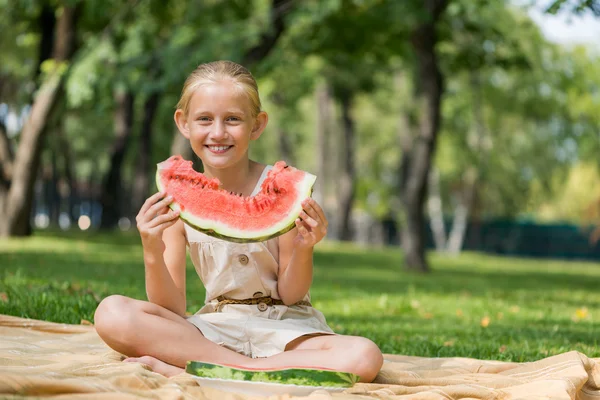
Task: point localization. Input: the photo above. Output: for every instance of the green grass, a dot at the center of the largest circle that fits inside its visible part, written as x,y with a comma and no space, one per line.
533,308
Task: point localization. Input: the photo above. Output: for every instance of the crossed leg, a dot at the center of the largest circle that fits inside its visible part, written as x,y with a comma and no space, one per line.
153,335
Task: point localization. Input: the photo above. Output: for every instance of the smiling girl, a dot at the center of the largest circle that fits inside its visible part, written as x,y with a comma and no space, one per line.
220,114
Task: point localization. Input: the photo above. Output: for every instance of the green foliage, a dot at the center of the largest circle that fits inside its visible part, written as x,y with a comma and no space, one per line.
535,113
470,306
577,7
570,197
539,101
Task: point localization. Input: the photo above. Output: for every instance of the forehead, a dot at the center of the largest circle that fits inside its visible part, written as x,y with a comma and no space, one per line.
218,97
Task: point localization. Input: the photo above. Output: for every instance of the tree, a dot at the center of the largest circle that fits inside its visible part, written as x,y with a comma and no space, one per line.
16,202
418,150
164,45
576,7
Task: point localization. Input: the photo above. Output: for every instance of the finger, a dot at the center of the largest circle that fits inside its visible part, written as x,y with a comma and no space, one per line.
302,228
318,209
161,227
309,220
162,211
308,234
314,210
165,218
150,201
309,210
161,205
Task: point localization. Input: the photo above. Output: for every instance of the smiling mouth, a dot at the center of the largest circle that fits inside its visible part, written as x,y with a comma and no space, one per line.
218,149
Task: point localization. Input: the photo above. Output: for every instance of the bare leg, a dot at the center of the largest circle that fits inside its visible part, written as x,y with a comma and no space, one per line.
156,365
342,353
138,328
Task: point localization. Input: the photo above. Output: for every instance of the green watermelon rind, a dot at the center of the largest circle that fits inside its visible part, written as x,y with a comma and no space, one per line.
289,376
279,229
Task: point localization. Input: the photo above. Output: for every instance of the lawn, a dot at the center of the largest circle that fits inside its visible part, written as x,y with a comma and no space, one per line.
474,305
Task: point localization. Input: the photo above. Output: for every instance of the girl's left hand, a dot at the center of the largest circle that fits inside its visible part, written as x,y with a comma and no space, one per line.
312,225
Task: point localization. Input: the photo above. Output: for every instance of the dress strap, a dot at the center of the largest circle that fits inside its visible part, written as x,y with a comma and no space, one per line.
263,175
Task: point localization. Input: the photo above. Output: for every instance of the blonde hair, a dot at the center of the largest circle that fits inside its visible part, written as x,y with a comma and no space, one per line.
216,71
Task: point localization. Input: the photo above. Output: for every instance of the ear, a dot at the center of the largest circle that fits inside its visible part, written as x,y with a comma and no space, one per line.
260,123
181,122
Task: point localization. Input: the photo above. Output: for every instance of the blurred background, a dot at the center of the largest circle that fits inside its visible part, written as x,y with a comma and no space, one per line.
436,124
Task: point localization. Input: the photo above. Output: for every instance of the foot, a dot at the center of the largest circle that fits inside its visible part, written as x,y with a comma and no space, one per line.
157,365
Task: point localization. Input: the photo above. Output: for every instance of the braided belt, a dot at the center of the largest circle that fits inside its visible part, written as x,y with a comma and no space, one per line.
262,302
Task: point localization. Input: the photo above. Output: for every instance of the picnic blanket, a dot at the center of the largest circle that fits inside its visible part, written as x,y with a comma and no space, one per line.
62,361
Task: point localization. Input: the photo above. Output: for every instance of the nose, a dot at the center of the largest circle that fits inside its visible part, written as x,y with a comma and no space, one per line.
218,132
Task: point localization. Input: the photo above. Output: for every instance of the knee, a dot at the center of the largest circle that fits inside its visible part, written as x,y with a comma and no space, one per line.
367,359
114,318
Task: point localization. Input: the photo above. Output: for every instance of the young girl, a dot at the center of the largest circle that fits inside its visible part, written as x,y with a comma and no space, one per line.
220,113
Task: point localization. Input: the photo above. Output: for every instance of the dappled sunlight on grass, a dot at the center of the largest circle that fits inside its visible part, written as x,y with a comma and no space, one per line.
473,306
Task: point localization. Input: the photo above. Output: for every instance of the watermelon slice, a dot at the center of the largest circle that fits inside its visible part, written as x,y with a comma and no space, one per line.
219,213
318,377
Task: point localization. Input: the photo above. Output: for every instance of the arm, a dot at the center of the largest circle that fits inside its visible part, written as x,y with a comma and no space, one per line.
163,240
165,271
296,252
295,269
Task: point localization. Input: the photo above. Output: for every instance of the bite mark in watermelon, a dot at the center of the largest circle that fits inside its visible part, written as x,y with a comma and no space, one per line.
243,219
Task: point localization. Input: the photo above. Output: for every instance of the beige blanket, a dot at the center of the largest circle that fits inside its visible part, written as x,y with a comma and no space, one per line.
40,359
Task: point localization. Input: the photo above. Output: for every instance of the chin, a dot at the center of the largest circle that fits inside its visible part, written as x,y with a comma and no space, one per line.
218,164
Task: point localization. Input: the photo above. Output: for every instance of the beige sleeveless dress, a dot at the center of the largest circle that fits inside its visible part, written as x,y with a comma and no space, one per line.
243,271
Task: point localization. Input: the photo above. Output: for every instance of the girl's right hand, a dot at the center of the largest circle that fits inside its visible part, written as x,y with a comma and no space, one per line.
154,217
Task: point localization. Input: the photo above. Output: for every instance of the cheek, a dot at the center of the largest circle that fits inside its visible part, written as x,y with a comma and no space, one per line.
197,131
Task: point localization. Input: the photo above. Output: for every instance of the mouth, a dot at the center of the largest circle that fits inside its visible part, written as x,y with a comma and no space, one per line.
218,149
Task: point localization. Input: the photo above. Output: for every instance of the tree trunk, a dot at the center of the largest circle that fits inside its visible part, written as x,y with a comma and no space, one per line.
141,182
269,39
461,213
17,206
471,176
54,198
47,26
6,160
428,99
71,191
181,145
347,179
6,157
112,186
322,148
436,213
284,143
285,146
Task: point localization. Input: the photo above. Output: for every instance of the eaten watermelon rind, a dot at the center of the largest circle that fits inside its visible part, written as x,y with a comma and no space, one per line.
291,376
304,189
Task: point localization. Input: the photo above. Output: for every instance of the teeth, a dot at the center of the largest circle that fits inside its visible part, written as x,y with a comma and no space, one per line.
218,148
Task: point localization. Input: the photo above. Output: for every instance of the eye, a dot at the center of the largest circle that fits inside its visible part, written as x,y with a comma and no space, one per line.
203,119
234,119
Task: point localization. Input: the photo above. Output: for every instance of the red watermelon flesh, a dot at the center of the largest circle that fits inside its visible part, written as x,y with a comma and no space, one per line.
217,212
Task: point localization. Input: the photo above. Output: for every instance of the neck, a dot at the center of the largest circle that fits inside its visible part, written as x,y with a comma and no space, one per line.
236,178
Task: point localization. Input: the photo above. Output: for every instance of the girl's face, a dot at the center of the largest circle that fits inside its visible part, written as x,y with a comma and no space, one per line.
220,124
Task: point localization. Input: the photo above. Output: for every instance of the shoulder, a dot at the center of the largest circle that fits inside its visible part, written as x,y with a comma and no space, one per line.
257,168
